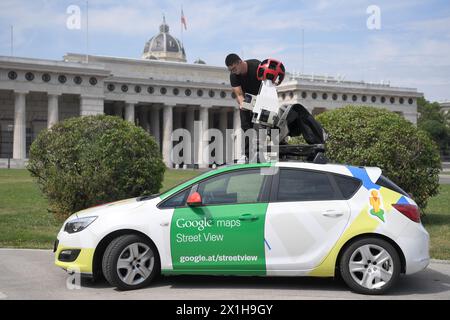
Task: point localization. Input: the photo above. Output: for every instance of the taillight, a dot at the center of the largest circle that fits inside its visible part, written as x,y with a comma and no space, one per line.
409,210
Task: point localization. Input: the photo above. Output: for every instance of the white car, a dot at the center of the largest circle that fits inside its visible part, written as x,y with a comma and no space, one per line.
267,219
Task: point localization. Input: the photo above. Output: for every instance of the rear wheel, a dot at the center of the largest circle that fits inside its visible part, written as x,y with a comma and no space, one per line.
370,266
130,262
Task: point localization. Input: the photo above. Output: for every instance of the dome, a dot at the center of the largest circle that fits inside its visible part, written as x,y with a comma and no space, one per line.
164,46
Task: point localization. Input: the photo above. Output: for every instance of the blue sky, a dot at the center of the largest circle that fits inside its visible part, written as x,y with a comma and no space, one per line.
411,49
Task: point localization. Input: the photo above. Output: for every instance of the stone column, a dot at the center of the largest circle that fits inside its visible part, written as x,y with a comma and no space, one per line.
190,119
20,126
129,111
53,110
167,133
203,141
154,126
237,133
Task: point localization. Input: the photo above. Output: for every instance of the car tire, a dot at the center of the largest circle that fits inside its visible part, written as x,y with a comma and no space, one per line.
130,262
370,266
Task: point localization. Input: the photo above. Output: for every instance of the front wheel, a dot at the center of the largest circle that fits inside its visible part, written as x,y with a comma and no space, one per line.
130,262
370,266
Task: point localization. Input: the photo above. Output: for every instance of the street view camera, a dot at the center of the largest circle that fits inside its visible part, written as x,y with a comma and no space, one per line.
291,120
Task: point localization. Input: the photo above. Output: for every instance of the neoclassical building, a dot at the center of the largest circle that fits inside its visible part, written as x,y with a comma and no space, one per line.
160,92
445,107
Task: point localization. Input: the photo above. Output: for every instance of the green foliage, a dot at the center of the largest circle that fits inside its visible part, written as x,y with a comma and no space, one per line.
86,161
366,136
433,121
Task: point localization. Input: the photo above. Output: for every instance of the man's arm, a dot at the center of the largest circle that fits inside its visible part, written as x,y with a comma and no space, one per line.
239,95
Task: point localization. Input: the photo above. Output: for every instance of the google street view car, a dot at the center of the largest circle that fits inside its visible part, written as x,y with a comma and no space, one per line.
263,219
283,218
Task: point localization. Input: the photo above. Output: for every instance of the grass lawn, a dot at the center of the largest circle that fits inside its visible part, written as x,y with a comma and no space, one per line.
25,222
437,223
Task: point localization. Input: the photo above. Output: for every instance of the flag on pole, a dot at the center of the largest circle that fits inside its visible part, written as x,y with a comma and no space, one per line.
183,19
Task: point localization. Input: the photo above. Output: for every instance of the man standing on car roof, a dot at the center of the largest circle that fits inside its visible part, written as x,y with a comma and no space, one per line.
243,80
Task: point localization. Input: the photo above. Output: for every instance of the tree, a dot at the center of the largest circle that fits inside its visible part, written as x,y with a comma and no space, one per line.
367,136
433,121
86,161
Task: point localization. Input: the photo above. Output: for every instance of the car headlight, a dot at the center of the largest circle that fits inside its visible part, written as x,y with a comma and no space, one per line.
79,224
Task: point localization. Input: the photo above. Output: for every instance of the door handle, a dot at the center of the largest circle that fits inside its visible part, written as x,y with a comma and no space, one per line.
164,224
248,217
332,214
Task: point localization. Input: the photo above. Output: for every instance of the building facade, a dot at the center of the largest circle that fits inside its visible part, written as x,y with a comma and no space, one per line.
160,92
445,106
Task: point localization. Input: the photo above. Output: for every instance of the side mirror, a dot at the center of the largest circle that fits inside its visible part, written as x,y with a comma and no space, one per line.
194,199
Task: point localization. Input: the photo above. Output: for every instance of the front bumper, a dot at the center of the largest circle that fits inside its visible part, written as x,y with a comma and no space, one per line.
75,252
82,263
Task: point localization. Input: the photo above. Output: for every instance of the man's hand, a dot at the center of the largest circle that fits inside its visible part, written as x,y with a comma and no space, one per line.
239,96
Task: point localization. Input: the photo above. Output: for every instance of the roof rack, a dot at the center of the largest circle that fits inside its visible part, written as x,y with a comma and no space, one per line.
314,153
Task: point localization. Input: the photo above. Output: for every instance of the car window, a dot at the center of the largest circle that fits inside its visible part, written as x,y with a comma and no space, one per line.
243,186
347,185
385,182
177,200
304,185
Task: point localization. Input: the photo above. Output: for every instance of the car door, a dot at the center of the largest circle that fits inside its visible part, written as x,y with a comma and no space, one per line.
306,216
224,235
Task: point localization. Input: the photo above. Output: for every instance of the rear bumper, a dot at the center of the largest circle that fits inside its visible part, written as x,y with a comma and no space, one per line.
414,242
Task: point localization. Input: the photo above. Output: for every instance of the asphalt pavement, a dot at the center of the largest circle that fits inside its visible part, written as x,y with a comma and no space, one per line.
444,179
30,274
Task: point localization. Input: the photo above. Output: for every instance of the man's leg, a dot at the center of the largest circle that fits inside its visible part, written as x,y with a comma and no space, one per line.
246,123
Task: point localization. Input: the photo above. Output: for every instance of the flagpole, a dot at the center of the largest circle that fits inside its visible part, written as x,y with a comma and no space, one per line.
87,31
181,27
303,51
12,41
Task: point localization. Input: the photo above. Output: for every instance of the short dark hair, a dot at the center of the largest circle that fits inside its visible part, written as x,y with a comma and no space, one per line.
231,59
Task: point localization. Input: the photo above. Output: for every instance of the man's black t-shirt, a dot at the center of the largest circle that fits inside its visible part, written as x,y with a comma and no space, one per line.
249,83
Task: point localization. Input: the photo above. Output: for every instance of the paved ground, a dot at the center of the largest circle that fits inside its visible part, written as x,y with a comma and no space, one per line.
30,274
444,179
